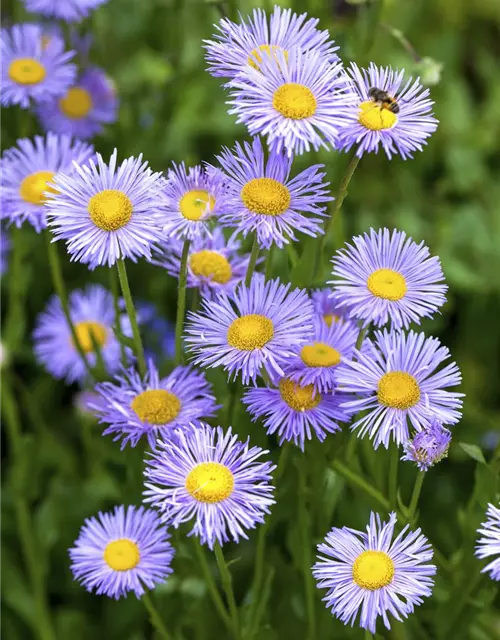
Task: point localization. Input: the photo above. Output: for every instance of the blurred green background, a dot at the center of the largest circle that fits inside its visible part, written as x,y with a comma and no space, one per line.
449,195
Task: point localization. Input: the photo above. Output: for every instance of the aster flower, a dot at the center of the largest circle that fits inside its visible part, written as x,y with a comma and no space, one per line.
373,574
300,101
236,46
32,70
397,382
259,326
327,306
107,212
210,476
194,197
27,171
92,313
488,543
373,124
319,358
428,446
153,406
296,412
85,107
385,276
67,10
263,199
214,263
124,550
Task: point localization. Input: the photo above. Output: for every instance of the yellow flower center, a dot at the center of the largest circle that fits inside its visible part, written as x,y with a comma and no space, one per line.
110,209
122,554
76,103
26,71
250,332
195,204
88,329
255,57
294,101
156,406
319,354
330,318
266,196
211,264
33,186
387,284
373,570
374,117
299,398
210,482
398,390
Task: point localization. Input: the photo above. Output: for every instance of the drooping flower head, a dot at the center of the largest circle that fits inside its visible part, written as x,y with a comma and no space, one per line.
372,574
400,125
84,109
488,543
214,263
125,550
67,10
429,446
327,307
262,197
32,70
154,407
258,327
93,315
298,102
211,477
384,276
317,361
195,196
398,383
296,412
27,171
237,46
107,212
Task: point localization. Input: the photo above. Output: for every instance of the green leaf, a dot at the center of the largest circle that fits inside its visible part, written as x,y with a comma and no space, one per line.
473,451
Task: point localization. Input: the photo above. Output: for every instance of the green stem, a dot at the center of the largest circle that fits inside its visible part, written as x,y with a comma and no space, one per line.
154,616
57,278
393,476
25,524
342,192
181,303
227,585
212,587
360,483
258,573
129,305
415,495
309,585
269,262
115,290
13,328
253,260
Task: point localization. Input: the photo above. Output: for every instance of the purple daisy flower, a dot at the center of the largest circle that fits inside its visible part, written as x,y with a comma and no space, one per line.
84,109
400,122
210,476
296,412
67,10
373,574
319,358
194,198
107,212
238,45
124,550
92,313
27,171
32,70
385,276
259,326
300,101
488,543
155,407
428,446
327,306
397,381
214,263
263,199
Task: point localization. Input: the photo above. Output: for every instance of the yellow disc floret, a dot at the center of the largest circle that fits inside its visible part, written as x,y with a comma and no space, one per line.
76,103
266,196
294,101
122,555
196,204
250,332
298,397
110,209
33,187
398,389
374,117
156,406
27,71
330,318
319,354
256,55
211,264
87,330
373,570
210,482
387,284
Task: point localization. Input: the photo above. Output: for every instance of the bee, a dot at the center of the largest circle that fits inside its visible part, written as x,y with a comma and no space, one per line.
383,99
